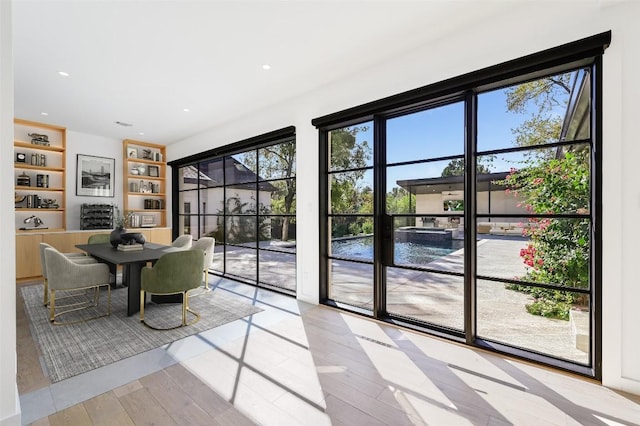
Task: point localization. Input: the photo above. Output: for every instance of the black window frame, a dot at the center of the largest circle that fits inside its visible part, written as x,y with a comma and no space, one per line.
585,52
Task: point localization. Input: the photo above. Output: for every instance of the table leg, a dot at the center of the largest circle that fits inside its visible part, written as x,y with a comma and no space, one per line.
133,282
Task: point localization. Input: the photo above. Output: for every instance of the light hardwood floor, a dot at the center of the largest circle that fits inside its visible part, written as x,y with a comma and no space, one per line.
298,364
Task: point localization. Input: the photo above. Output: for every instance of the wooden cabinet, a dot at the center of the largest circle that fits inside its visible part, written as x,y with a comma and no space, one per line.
39,175
144,192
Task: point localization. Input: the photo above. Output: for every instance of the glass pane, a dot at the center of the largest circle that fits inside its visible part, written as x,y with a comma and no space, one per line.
211,226
426,188
241,199
556,184
278,269
537,112
277,161
436,132
209,173
241,262
549,251
352,192
351,147
544,321
211,201
351,283
188,224
241,230
281,231
428,297
437,248
240,168
344,230
278,197
187,202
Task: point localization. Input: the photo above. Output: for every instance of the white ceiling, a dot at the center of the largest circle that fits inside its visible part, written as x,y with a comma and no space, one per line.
143,62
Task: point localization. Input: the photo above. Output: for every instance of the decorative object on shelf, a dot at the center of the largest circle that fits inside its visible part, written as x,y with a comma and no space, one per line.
21,157
19,198
42,181
134,171
141,169
154,171
157,156
147,221
132,153
39,139
95,176
147,154
35,220
49,203
96,216
23,180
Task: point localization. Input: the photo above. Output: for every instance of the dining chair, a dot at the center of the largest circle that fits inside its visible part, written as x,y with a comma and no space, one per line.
175,273
183,242
206,244
75,257
65,274
113,269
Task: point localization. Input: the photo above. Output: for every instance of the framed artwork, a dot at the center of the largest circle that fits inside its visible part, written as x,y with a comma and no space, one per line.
95,176
132,152
154,171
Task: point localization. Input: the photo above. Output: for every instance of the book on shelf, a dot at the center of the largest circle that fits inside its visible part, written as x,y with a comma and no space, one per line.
130,247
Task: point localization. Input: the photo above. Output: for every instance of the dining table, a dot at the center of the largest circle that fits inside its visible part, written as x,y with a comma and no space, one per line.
132,261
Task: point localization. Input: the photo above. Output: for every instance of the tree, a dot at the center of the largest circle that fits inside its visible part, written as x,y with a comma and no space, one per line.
540,98
558,249
456,168
274,162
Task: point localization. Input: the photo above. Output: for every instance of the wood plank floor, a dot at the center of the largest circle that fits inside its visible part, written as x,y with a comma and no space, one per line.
296,364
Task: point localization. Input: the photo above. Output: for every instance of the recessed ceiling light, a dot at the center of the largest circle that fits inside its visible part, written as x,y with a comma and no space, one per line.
44,113
141,133
186,109
266,67
64,74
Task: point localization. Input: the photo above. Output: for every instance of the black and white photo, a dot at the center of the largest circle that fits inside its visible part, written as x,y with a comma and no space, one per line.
95,176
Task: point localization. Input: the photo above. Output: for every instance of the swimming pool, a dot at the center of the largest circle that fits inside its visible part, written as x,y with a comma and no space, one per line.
404,252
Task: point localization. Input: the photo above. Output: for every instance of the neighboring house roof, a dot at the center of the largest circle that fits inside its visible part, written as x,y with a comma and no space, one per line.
451,183
236,174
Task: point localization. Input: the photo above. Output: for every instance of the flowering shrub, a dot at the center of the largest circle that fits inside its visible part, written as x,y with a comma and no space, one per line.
558,251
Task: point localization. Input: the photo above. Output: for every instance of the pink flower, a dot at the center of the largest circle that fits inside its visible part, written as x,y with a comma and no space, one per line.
538,181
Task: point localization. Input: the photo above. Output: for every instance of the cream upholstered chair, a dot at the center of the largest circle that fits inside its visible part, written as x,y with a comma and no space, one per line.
64,274
206,244
175,273
102,239
183,242
75,257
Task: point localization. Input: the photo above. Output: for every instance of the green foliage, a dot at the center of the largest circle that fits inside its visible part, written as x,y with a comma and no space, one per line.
541,98
558,251
241,223
456,167
399,200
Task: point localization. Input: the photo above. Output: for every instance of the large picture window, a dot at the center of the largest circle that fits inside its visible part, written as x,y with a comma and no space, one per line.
469,208
245,197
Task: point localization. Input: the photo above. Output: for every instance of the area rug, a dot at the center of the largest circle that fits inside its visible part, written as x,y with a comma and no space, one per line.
69,350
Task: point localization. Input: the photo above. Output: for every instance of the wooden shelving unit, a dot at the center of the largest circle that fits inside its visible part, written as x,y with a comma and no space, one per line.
144,192
45,167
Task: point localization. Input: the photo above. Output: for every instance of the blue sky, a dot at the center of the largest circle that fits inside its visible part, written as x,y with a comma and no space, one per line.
439,132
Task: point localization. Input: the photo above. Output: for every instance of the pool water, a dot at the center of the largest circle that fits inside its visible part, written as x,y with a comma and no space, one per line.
404,252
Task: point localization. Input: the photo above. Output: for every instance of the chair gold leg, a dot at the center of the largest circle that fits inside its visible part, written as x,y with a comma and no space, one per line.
46,291
142,306
52,306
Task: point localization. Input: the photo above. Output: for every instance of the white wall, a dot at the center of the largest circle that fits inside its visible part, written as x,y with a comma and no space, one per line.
9,401
99,146
518,31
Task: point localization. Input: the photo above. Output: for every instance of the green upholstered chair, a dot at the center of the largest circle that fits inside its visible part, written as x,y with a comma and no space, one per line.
65,274
75,257
98,239
206,244
175,273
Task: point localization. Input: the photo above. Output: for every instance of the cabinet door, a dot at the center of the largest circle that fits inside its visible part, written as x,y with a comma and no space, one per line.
66,242
28,256
161,236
